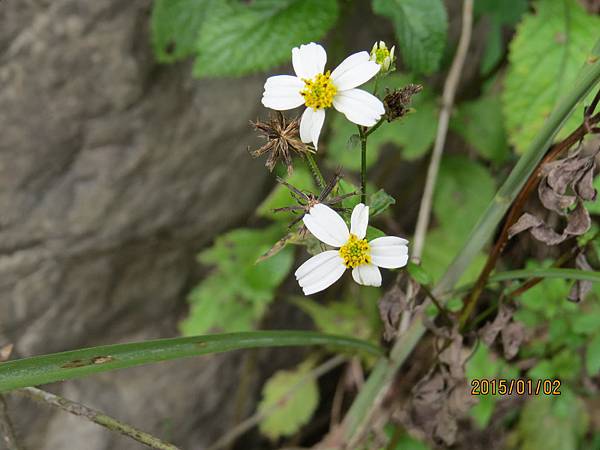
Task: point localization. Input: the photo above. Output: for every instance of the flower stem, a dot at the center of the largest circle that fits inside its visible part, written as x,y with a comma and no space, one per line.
97,417
374,127
363,165
314,169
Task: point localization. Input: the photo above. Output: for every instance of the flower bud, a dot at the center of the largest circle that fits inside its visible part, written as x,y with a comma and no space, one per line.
382,56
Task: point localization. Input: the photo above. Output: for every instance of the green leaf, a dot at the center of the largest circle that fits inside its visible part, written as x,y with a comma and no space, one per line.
545,58
481,124
463,189
240,38
455,304
421,27
500,13
592,356
549,272
236,294
293,396
175,27
340,318
419,274
552,423
481,365
81,363
373,233
380,201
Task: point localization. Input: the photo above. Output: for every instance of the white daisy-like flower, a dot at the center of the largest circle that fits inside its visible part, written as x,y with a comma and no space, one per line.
319,90
353,250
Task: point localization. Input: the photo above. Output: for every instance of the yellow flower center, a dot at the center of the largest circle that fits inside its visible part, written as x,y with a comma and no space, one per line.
318,93
381,54
355,252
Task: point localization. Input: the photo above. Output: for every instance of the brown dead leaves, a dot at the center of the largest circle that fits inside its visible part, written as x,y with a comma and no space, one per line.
565,185
442,398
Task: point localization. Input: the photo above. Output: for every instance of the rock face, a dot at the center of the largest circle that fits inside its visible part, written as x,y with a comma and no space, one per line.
114,172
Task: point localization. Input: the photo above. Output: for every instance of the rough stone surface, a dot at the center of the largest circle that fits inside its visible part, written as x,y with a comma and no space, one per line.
114,172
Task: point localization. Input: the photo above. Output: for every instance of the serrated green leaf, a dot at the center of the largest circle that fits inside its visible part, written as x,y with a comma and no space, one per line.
380,201
175,27
545,57
481,124
421,27
293,396
237,292
240,38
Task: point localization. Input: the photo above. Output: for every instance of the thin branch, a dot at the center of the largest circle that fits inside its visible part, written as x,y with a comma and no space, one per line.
258,416
448,95
97,417
450,87
7,431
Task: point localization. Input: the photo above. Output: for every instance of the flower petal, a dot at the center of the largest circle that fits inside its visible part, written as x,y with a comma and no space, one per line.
308,60
311,125
355,70
367,275
326,225
359,106
282,92
359,221
320,271
389,252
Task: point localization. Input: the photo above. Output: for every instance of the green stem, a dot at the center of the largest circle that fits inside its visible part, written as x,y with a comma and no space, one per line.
363,165
97,417
80,363
374,127
314,169
384,371
552,272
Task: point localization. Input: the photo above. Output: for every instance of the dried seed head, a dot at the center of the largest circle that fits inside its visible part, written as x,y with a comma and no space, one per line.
306,200
282,137
397,103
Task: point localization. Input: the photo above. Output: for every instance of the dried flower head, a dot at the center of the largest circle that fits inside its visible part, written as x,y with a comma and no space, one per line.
282,137
397,103
306,200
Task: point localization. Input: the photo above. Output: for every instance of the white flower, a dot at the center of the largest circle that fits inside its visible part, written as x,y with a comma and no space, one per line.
382,56
319,90
365,258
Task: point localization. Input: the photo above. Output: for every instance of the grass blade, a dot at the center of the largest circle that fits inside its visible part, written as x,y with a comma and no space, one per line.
88,361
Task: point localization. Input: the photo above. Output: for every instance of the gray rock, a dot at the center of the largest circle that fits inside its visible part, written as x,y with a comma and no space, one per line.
114,172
